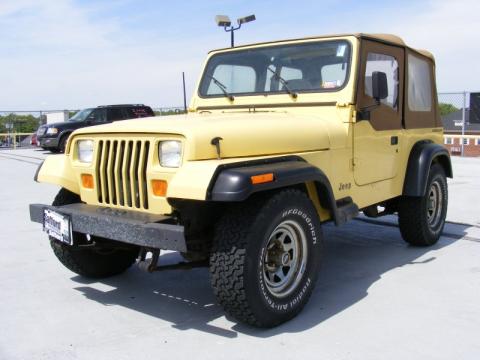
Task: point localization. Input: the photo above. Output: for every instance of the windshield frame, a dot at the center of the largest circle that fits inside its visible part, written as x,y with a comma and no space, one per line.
345,41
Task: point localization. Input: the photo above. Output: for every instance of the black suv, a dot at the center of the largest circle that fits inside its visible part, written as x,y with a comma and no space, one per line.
54,136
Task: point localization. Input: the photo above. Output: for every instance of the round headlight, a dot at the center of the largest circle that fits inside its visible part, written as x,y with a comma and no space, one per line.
170,153
85,151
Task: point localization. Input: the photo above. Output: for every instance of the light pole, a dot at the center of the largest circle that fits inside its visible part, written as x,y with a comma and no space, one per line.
184,94
224,21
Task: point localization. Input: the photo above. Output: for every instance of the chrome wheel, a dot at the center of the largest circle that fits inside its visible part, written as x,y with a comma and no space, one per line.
434,204
285,258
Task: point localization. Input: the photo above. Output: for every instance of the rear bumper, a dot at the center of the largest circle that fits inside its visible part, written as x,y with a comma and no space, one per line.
130,227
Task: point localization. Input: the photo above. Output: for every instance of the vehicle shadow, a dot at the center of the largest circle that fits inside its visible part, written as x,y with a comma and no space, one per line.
356,255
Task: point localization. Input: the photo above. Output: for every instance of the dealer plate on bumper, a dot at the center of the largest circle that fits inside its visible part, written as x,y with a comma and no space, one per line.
58,226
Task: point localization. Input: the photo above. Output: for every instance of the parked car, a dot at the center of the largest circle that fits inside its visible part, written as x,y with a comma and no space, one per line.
54,136
33,140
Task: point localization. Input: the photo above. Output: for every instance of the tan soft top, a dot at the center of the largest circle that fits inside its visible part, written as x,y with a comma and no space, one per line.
386,38
396,40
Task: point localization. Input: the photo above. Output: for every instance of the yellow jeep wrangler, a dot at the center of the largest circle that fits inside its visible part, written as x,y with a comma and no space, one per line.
280,137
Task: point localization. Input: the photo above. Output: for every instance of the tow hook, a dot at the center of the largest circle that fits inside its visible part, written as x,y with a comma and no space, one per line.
150,264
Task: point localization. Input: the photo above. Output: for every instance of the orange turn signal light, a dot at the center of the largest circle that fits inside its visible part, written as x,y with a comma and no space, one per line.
262,178
159,187
87,181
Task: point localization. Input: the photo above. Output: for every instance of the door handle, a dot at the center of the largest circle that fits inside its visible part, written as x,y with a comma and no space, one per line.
394,140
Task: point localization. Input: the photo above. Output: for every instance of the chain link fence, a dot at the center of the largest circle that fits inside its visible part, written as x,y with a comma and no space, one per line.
460,123
17,127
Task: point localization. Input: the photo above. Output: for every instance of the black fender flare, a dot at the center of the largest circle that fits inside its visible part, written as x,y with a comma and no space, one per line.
422,155
232,182
66,133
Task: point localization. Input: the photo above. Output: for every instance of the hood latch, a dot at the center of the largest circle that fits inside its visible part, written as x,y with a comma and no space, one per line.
216,142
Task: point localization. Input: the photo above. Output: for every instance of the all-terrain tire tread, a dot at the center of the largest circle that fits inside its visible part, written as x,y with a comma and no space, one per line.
228,258
411,218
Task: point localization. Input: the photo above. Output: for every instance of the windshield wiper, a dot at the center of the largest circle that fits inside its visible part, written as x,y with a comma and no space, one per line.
293,94
221,87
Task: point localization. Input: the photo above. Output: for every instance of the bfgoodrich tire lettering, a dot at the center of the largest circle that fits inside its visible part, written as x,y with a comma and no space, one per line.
242,244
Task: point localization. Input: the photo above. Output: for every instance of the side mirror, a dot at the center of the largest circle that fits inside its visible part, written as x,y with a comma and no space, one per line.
379,85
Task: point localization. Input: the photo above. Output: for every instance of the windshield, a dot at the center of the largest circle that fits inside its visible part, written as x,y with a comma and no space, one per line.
81,115
307,67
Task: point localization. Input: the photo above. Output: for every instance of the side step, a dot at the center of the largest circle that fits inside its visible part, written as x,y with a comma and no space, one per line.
346,210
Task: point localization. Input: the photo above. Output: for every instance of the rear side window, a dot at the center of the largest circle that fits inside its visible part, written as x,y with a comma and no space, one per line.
98,116
389,65
419,84
115,114
139,112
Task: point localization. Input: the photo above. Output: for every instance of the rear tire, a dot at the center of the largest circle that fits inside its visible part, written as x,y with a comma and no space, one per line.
95,262
265,258
421,219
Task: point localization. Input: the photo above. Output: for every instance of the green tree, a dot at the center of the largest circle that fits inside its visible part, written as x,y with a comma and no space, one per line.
446,109
21,123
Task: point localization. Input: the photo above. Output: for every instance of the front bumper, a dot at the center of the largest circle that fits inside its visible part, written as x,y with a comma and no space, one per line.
131,227
48,142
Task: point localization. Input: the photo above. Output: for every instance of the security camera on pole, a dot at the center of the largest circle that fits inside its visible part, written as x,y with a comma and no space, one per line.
224,21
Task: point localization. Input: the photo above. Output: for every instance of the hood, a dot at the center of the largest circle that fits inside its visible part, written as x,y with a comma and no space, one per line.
65,125
243,134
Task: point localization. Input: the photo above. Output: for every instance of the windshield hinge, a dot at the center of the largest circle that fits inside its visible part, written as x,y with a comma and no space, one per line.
343,104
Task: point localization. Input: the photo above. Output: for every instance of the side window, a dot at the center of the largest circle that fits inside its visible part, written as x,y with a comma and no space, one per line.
98,116
419,84
235,78
389,65
115,114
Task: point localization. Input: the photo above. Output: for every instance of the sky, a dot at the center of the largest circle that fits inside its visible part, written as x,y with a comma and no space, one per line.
71,54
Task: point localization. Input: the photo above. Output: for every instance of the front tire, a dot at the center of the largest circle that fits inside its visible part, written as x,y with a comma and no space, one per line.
421,219
62,144
265,258
93,262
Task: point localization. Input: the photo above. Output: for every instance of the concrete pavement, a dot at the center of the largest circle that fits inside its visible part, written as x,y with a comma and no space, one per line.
376,297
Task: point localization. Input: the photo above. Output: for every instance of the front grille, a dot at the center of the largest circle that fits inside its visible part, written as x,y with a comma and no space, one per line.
41,130
121,173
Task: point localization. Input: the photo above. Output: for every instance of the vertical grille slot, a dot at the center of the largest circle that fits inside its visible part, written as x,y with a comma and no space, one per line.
144,174
111,174
118,172
98,172
128,181
104,165
121,172
133,175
